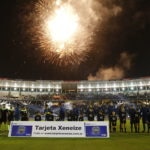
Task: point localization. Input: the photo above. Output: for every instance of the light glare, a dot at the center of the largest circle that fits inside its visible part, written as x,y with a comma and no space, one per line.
62,25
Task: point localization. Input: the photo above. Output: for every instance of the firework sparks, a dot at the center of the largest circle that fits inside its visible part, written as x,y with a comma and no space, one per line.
64,30
62,25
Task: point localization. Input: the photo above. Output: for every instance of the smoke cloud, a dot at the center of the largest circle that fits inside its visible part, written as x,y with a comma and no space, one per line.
116,72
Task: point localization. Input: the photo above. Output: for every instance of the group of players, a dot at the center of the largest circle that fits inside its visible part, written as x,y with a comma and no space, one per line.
135,115
121,114
11,114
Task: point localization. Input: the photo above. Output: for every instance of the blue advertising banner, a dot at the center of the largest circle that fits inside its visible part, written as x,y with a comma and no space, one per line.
20,130
96,131
99,129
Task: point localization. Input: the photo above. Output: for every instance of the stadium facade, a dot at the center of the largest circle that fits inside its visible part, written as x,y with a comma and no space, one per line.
18,88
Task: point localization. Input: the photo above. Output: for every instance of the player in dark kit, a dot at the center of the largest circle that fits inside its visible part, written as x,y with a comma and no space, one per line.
37,116
110,110
46,110
100,116
81,116
69,115
137,121
10,115
75,113
122,117
113,121
144,116
17,113
24,114
61,113
148,120
90,114
0,116
132,118
4,116
49,116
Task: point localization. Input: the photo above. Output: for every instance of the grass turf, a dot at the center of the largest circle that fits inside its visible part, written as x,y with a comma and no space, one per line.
117,141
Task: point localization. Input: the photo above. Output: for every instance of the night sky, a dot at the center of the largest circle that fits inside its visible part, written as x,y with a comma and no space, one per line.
121,44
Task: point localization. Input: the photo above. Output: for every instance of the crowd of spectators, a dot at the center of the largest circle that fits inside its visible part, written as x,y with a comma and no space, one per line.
80,96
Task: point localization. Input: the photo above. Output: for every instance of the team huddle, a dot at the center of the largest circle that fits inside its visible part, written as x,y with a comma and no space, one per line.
90,113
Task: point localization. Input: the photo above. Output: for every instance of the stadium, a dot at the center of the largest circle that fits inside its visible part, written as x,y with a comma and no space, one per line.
74,74
34,95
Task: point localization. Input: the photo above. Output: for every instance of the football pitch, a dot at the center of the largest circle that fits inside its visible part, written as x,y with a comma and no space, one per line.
117,141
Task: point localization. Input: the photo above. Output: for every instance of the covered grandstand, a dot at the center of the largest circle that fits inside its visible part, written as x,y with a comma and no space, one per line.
75,90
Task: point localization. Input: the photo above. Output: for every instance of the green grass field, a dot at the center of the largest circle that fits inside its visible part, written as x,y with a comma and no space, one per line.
117,141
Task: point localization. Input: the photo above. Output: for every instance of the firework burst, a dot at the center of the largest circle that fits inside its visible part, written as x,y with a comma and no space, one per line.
63,29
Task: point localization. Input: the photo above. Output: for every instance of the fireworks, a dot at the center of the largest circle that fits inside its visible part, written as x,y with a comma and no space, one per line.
62,25
64,29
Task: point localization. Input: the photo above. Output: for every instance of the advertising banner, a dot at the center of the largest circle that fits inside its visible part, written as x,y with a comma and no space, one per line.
58,129
97,129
